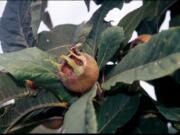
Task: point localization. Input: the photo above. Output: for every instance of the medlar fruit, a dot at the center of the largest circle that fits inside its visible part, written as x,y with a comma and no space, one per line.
30,84
140,39
54,123
78,70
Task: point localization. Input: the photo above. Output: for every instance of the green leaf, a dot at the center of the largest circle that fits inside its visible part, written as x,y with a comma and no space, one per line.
87,2
98,23
34,64
47,20
15,27
170,113
157,58
176,126
149,9
26,128
9,89
82,32
37,14
81,117
58,40
150,25
116,111
151,124
30,121
1,131
131,21
110,41
175,14
90,46
36,118
30,64
175,21
62,37
87,47
152,20
60,91
26,105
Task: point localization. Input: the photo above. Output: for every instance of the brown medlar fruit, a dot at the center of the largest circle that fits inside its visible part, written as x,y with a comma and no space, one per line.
54,123
30,84
78,70
140,39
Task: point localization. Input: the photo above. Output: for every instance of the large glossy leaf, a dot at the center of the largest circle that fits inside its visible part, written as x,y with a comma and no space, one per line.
115,111
157,58
9,90
131,21
47,20
34,64
110,41
58,40
62,37
150,124
98,23
38,14
81,33
26,105
81,117
31,63
26,128
33,119
170,113
90,46
15,26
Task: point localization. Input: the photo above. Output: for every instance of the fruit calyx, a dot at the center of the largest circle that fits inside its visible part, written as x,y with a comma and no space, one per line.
72,64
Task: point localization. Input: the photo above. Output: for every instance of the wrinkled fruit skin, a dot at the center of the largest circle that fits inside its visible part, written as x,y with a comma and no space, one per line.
54,123
86,75
141,39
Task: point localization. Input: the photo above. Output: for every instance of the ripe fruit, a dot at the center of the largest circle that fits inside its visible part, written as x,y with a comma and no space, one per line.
78,71
53,123
141,39
30,84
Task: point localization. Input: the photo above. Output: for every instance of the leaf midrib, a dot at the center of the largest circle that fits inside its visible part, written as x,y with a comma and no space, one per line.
114,115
